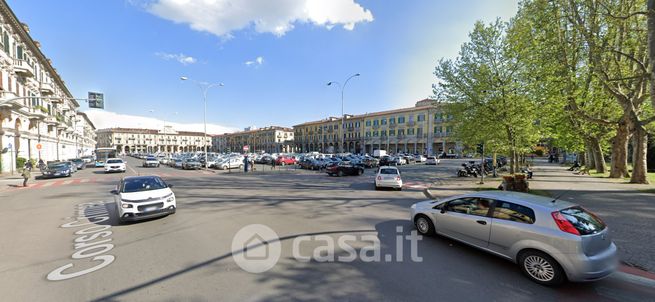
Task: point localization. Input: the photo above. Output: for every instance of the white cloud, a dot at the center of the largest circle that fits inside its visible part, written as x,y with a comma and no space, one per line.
222,17
106,119
257,61
181,58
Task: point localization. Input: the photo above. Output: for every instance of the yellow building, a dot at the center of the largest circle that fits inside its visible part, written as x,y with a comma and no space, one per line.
420,129
273,139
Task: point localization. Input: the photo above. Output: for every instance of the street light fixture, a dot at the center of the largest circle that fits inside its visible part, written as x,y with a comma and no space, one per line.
204,86
343,117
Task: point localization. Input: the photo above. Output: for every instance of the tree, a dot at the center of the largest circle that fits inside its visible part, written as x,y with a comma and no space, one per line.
486,95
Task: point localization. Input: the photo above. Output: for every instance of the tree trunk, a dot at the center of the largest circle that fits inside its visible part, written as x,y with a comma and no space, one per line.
601,167
620,151
582,158
591,163
639,149
650,6
494,159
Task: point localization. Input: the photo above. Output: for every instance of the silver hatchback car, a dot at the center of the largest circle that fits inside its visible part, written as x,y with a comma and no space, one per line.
551,240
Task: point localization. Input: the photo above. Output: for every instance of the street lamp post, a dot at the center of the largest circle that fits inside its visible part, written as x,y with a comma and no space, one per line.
204,86
343,117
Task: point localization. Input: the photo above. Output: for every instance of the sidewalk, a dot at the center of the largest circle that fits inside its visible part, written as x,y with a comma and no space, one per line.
625,208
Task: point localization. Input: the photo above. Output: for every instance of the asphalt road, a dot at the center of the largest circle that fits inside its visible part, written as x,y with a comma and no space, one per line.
188,256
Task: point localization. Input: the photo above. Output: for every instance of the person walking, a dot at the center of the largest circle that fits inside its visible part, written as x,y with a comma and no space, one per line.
26,173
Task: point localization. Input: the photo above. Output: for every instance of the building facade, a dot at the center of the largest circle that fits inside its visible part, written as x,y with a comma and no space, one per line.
129,140
422,129
38,115
271,139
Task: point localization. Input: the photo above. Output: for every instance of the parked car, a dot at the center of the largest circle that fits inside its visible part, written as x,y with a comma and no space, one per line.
388,161
71,165
191,164
143,197
419,158
115,165
344,168
551,240
432,160
79,163
150,162
388,177
176,163
56,169
230,163
285,160
88,159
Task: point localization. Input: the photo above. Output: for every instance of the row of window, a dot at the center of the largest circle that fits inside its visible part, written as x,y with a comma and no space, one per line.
481,206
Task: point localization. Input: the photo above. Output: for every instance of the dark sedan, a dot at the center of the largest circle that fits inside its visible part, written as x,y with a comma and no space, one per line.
345,168
191,164
58,169
79,163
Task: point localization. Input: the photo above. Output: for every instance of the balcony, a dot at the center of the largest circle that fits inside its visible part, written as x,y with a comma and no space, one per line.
21,67
47,88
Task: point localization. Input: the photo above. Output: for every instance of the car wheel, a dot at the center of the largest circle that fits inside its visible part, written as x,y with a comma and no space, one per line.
360,172
400,189
377,188
340,173
541,268
240,167
424,225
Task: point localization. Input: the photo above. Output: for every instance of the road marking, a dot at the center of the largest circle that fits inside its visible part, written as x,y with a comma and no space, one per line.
67,182
85,180
47,184
131,169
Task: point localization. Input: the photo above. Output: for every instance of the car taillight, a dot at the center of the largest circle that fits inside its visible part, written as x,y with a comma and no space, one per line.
564,224
379,177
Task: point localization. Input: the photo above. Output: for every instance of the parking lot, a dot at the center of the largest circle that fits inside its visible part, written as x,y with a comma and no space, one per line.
188,255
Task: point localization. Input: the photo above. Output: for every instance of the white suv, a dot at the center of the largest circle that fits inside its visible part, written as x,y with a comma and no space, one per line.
115,165
143,197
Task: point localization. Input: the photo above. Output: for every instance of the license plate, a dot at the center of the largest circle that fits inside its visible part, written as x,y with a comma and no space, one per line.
148,209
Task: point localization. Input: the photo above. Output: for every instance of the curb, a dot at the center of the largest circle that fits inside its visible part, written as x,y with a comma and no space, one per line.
637,272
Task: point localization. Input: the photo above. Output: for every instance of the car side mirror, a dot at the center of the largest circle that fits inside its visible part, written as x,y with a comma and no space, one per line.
443,210
114,192
170,186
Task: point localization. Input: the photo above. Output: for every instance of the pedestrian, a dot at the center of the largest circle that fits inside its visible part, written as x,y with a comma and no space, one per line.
26,173
273,163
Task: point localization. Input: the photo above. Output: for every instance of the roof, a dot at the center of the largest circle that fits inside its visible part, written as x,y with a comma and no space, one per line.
150,131
419,106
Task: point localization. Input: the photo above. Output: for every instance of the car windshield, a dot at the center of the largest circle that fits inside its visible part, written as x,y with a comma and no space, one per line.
115,161
56,166
388,171
132,185
151,158
77,160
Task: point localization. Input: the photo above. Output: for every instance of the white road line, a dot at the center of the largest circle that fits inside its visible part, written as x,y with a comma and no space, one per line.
131,169
68,182
85,180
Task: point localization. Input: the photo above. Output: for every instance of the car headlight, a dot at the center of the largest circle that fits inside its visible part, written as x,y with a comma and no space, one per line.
67,171
126,206
170,199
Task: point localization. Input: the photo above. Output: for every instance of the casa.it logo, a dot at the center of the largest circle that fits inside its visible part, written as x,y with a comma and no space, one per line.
256,248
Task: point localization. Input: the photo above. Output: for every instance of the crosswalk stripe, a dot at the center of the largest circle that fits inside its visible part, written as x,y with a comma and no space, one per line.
85,180
67,182
47,184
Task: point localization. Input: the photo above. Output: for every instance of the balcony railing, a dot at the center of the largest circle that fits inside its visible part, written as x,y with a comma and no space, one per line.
23,68
47,89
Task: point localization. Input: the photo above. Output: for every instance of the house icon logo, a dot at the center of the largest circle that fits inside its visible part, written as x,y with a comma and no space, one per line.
256,248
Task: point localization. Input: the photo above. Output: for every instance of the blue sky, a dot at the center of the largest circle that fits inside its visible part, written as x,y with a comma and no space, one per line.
135,51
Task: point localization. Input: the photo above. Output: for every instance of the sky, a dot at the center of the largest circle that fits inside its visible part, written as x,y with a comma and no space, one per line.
273,57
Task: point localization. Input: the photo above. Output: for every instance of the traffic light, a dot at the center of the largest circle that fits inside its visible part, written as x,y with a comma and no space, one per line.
480,148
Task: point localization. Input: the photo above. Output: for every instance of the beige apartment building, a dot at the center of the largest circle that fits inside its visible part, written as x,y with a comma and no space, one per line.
422,129
273,139
168,140
38,115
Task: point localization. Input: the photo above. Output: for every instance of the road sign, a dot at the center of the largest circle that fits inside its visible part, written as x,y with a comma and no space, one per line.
96,100
246,148
10,146
38,146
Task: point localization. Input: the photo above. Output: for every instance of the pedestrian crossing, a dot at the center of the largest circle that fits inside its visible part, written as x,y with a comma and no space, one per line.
52,183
